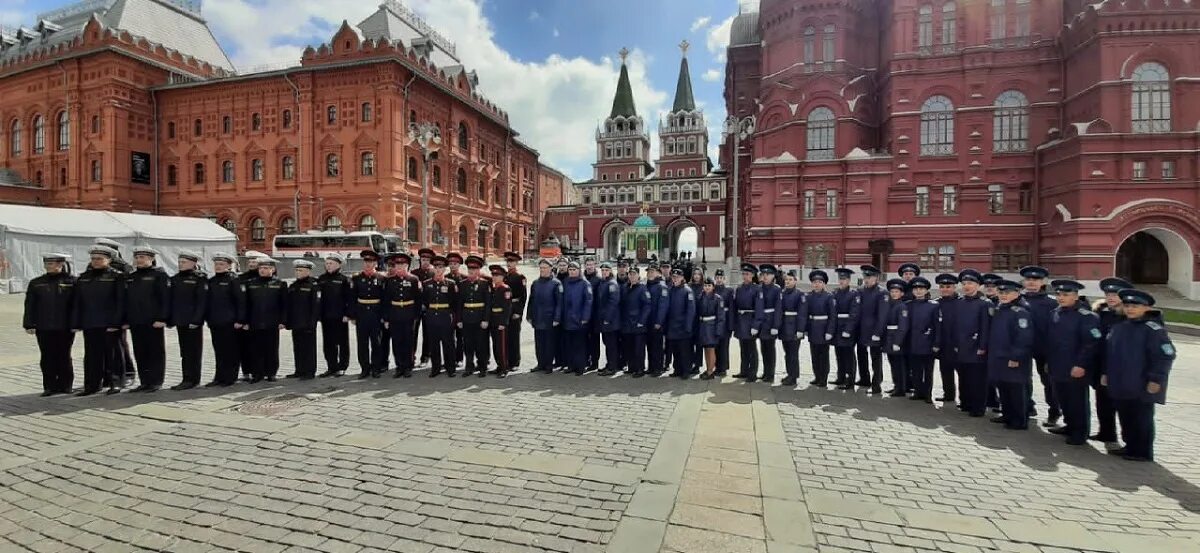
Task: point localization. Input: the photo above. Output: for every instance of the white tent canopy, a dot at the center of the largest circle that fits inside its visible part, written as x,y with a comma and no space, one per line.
28,232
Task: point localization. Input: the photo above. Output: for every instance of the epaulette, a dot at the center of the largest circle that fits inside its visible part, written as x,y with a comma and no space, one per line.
1086,311
1018,308
1153,325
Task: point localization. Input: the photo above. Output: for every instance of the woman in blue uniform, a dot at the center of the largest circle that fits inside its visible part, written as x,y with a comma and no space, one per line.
1138,357
710,314
896,335
791,330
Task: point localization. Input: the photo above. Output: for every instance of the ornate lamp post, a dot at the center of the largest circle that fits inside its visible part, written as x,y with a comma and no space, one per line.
428,138
737,129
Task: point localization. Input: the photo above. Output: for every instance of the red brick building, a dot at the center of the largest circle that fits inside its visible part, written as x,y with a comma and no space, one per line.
988,134
131,105
637,208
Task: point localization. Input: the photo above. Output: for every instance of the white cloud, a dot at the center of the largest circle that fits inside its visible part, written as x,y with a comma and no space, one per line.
718,38
534,15
555,31
555,103
700,23
712,75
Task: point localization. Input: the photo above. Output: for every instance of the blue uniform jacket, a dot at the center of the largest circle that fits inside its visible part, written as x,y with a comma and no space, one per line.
577,304
593,280
924,327
1040,306
768,312
608,305
795,315
1137,352
1076,335
1109,317
973,318
1010,338
872,311
635,309
681,313
744,299
822,317
947,307
895,327
710,315
726,294
660,301
845,331
545,303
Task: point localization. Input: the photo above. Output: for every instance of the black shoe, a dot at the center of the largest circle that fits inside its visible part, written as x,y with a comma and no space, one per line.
721,372
327,374
1100,438
306,377
706,376
47,393
376,374
450,373
270,379
212,384
846,387
364,375
1052,421
140,388
1119,452
1000,420
875,390
183,386
1138,458
293,375
1059,430
226,384
112,391
1073,441
501,374
638,374
741,375
434,373
339,374
897,393
399,373
480,373
863,384
256,379
789,381
916,397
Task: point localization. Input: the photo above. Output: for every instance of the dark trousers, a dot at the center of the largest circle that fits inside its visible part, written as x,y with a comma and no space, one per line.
655,345
1073,396
304,349
973,387
150,351
128,366
993,396
1052,405
681,353
910,377
426,347
791,358
499,348
1013,398
947,367
560,347
225,351
723,354
102,359
767,343
575,343
922,370
593,346
245,346
845,364
634,352
404,346
1106,415
57,371
335,336
460,345
697,355
191,352
370,348
820,361
513,335
266,352
748,347
474,346
385,344
612,350
1137,426
439,337
544,347
870,365
896,361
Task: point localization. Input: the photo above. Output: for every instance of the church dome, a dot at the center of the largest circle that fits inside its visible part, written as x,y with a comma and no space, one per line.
644,221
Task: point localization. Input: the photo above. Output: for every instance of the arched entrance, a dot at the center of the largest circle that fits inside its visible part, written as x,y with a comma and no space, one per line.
613,239
683,237
1156,256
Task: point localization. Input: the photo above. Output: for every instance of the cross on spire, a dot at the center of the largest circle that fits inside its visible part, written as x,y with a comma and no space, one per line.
684,47
624,53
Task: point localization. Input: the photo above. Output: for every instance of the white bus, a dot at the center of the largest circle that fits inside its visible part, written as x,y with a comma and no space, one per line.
320,243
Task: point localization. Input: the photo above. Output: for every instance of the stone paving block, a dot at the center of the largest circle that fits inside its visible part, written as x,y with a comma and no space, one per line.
653,501
692,540
698,494
949,523
788,522
669,458
718,520
780,483
620,477
477,456
833,504
1055,533
637,535
563,465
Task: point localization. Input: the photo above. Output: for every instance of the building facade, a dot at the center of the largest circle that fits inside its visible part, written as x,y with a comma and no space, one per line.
131,105
638,207
988,134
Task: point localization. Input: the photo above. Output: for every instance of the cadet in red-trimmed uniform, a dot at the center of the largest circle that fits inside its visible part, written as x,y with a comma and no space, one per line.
500,319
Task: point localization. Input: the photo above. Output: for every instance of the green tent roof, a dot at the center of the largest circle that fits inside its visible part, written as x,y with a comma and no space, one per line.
623,101
683,90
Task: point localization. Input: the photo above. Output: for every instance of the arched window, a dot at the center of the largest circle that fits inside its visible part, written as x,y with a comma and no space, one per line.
288,169
412,167
172,175
287,225
227,171
333,222
830,45
198,173
937,126
230,225
460,181
464,139
227,124
497,193
462,235
332,165
256,170
197,127
367,223
925,29
287,118
670,145
64,130
691,144
97,171
608,151
821,134
171,130
628,149
256,122
949,26
438,237
412,117
331,115
413,230
496,240
367,112
482,191
481,238
1151,110
258,230
1010,122
810,49
95,124
368,164
437,177
39,134
14,138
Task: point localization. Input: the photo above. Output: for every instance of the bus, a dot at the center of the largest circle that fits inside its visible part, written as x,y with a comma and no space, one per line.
318,244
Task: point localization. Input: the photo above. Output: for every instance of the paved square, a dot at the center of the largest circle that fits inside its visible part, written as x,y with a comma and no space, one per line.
564,463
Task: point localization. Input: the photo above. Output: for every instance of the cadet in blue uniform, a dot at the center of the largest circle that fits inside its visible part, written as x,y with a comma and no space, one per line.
947,363
1009,355
989,281
821,326
907,272
896,336
99,311
636,308
872,310
576,317
225,313
681,323
924,338
608,319
1138,358
726,294
366,312
694,276
520,295
475,297
500,320
402,310
1040,305
665,269
303,314
792,327
745,329
544,313
1109,310
189,294
768,317
148,298
266,310
335,319
845,330
1075,330
592,276
49,302
972,323
441,304
710,317
660,303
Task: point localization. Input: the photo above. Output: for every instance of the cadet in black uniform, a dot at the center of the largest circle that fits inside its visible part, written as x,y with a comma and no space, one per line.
366,312
476,303
402,305
499,320
266,309
99,311
244,336
544,313
423,272
49,304
726,293
845,332
303,312
225,313
1109,310
924,338
454,262
440,301
122,266
1139,358
948,301
516,282
1010,355
1075,330
189,294
148,309
896,336
792,326
335,319
872,310
821,324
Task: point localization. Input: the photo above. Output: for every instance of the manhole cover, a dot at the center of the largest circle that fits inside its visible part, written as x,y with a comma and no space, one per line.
277,404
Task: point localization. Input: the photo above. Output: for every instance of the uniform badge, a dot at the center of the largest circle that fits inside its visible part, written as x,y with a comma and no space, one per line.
991,311
1023,323
1168,349
1096,333
508,295
444,289
1153,325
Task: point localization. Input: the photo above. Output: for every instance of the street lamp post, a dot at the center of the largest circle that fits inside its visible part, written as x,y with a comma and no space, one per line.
737,129
703,250
428,138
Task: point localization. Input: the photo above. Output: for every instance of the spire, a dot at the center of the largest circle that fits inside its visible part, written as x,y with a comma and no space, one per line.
683,90
623,101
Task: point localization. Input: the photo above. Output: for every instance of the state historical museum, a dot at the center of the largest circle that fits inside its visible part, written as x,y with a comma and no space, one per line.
981,133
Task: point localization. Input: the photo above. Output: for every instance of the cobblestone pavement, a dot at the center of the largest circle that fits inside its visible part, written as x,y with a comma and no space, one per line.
568,464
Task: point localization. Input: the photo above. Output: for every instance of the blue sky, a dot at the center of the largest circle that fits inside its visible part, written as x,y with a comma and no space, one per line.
552,64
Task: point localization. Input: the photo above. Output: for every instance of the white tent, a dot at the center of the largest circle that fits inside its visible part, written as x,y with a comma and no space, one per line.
28,232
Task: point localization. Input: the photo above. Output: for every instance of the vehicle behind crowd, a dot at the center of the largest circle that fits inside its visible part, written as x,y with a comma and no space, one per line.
318,244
